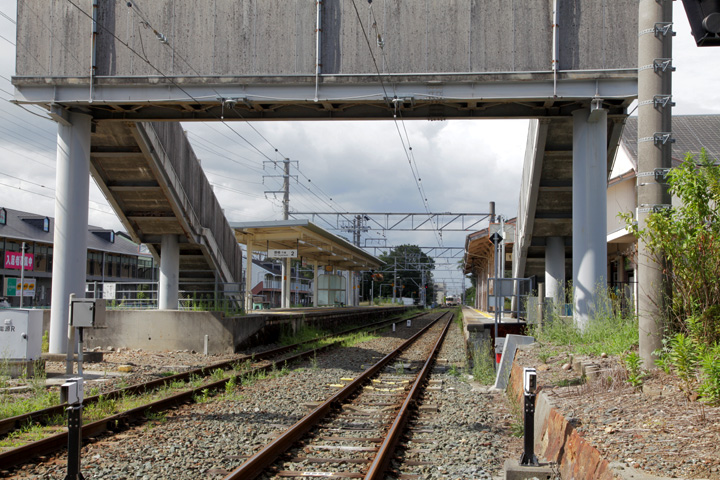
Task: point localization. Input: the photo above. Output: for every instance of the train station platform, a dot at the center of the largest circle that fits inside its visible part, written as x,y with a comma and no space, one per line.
479,325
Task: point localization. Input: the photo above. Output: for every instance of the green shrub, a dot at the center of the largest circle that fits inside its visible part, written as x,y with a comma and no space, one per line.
633,365
709,388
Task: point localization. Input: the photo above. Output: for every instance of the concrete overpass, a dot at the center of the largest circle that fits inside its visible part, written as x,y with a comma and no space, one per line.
222,60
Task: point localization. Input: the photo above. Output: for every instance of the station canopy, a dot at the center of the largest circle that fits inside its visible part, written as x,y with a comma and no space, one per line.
277,238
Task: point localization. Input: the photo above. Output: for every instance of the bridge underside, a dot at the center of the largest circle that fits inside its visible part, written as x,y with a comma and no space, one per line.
352,97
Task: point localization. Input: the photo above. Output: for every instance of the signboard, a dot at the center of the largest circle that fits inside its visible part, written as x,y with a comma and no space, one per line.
109,291
278,253
12,287
14,260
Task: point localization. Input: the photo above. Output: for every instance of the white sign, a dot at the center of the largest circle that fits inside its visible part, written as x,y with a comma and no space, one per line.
278,253
109,291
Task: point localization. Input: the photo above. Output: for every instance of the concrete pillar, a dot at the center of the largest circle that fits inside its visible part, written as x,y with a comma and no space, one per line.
72,187
589,211
653,83
555,269
315,283
169,282
248,276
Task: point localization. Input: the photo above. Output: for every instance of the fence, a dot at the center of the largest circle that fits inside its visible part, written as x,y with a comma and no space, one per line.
191,296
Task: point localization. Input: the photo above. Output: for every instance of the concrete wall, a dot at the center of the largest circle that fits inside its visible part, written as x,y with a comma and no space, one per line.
156,330
218,38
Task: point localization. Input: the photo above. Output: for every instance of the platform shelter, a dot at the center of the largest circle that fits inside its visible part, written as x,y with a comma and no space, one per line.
299,239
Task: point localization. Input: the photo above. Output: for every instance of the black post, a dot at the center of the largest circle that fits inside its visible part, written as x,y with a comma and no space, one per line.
528,457
74,442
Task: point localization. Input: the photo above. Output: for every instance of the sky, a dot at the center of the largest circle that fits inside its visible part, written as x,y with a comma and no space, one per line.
352,166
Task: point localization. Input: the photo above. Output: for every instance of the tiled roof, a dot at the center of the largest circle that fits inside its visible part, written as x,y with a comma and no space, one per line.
691,133
28,227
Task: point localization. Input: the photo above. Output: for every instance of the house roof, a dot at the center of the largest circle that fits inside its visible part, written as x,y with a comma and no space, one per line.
692,133
28,227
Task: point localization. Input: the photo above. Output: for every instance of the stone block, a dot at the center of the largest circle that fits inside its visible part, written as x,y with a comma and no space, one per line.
515,471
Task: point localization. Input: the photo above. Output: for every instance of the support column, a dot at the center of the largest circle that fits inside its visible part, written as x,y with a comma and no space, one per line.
287,278
589,211
169,283
248,277
72,187
315,283
654,151
555,269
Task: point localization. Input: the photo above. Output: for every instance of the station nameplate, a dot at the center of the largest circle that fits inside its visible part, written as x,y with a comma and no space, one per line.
277,253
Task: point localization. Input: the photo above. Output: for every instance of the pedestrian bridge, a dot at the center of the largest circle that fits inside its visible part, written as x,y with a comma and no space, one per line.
572,63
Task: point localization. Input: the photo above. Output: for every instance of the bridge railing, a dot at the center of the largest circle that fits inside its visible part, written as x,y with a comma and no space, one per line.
201,200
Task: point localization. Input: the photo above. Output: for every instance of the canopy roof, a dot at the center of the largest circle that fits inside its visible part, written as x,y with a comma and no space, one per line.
311,241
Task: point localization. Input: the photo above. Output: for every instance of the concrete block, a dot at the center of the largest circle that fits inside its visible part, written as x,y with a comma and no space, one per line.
508,356
515,471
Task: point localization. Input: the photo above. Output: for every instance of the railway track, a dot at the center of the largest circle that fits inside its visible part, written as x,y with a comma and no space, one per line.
252,365
354,433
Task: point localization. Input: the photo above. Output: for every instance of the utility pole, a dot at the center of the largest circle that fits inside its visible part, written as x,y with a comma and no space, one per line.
285,273
654,160
394,280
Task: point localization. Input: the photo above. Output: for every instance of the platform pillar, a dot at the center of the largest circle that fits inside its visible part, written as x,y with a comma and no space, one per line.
169,283
248,277
589,211
72,187
315,283
286,283
555,269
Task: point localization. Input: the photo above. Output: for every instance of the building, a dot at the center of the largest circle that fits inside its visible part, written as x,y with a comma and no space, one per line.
111,257
692,133
267,280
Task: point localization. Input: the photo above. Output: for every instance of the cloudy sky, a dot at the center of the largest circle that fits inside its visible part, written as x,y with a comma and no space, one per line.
353,166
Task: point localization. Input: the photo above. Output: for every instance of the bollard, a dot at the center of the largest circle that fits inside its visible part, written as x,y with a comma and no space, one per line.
72,393
205,349
393,327
528,457
409,323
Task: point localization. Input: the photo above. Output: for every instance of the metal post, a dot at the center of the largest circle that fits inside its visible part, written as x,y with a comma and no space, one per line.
22,273
528,457
394,281
74,442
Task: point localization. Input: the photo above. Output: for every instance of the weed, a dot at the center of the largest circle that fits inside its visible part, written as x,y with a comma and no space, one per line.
399,368
517,425
633,365
218,374
46,342
168,373
203,396
710,374
160,417
230,385
483,366
683,356
454,371
314,362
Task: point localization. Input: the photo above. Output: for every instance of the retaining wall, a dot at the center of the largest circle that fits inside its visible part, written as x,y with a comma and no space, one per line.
162,330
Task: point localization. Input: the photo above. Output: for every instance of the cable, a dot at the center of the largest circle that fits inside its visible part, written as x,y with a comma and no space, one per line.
53,198
407,150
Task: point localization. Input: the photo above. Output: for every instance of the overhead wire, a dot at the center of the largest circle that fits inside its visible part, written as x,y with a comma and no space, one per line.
138,10
407,150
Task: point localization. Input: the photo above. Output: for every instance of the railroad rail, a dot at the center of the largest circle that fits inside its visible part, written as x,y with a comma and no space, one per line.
119,421
384,411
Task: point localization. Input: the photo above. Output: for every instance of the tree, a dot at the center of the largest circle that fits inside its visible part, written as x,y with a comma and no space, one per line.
687,237
410,261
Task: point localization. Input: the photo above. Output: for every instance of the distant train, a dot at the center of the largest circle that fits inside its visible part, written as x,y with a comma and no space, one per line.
452,301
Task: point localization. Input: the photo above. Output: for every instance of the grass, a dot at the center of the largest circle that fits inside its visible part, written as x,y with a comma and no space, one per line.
483,365
10,407
607,332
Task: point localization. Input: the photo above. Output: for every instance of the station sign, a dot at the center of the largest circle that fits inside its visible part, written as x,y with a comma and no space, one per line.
14,260
280,253
13,287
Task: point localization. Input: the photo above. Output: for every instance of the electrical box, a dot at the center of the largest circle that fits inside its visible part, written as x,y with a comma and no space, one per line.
529,380
20,334
87,313
72,392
